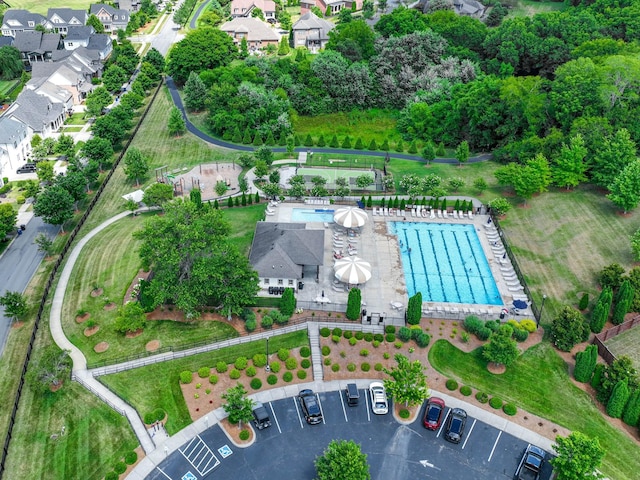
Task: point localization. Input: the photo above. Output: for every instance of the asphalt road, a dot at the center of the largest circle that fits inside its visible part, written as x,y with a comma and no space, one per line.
400,452
18,264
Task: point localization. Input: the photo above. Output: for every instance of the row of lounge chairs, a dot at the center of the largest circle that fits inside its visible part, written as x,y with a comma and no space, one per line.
443,311
317,201
420,212
388,212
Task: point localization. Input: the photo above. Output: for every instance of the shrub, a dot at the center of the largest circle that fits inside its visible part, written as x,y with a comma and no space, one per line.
283,354
464,337
149,418
287,376
529,325
398,344
251,371
325,332
130,458
510,409
259,360
272,379
520,334
386,355
234,374
305,352
241,363
378,367
120,468
364,352
482,397
404,334
336,339
186,377
111,476
368,337
598,372
351,367
256,383
375,344
472,324
326,350
423,339
378,337
302,374
213,379
465,390
221,366
353,341
631,412
415,332
327,361
584,302
347,334
390,337
492,325
305,363
618,399
365,367
359,335
203,372
291,363
483,333
343,354
335,367
390,329
495,402
244,435
159,414
336,331
250,325
266,322
452,384
404,413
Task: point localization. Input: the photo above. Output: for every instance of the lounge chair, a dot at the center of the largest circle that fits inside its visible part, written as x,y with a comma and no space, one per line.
269,212
439,213
516,289
455,214
444,214
470,214
433,214
413,212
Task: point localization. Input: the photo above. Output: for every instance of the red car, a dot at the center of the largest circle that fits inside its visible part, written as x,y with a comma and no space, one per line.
433,413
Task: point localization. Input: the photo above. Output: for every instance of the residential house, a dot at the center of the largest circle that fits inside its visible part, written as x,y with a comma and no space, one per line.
332,6
257,33
55,93
283,254
81,60
243,8
15,145
38,112
86,37
16,20
59,20
6,41
113,19
60,82
469,8
128,5
311,31
37,46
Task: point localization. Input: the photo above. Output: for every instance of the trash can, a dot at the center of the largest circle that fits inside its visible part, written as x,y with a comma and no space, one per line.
300,285
23,227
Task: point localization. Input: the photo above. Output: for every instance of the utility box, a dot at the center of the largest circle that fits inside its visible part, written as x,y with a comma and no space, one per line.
353,394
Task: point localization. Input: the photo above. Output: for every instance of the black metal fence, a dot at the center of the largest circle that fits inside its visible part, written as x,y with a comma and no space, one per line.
51,280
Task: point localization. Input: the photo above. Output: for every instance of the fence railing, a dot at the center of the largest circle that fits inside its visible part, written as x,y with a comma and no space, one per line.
51,279
600,338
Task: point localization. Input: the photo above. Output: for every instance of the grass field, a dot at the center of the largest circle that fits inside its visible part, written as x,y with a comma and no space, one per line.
6,85
626,344
528,8
37,6
539,383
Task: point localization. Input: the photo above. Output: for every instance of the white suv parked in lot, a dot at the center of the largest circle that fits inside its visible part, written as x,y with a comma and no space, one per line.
379,403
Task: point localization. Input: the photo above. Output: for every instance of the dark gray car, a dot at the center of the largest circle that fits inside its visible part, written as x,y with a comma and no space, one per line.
455,425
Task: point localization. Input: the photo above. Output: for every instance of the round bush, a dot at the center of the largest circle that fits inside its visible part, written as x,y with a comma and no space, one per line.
520,334
256,383
325,332
335,339
375,344
120,468
213,379
158,414
492,325
244,435
365,367
335,367
404,413
266,322
510,409
364,352
272,379
287,376
149,418
250,325
111,476
390,337
452,384
305,363
472,324
251,371
353,341
386,355
305,352
326,350
221,367
241,363
327,361
130,458
390,329
347,334
404,334
359,335
378,337
283,354
368,337
301,374
234,374
495,402
291,363
259,360
186,377
483,333
378,367
465,390
398,344
423,339
275,366
336,331
415,331
351,367
203,372
482,397
529,325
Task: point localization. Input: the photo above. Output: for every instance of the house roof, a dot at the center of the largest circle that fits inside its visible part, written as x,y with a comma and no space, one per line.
17,18
246,5
256,29
68,16
98,41
81,59
282,249
79,33
11,130
32,41
6,41
37,111
54,92
310,21
122,15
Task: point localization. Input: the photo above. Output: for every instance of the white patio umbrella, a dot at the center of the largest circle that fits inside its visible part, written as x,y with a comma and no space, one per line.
350,217
352,270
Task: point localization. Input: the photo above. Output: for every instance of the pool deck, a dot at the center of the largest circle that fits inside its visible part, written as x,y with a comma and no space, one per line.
387,285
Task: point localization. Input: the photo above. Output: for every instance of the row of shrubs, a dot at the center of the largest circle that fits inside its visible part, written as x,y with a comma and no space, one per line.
120,467
273,316
495,402
483,329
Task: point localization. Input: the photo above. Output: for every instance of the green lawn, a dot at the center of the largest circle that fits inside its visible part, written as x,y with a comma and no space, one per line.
529,8
157,386
539,383
37,6
71,129
6,85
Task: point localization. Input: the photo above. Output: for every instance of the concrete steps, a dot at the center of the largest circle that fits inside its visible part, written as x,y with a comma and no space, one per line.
316,353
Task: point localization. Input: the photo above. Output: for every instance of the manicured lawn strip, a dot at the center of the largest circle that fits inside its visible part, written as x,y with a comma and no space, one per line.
156,386
538,382
243,223
37,6
6,85
71,129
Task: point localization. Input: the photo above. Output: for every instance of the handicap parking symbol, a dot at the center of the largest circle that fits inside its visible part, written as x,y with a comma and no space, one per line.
225,451
189,476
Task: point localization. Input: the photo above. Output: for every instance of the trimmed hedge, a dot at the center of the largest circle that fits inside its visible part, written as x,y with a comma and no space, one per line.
291,363
259,360
404,334
251,371
244,435
130,458
302,374
305,352
287,376
120,468
404,413
221,367
390,329
111,476
283,354
452,384
325,332
326,350
256,383
378,367
365,367
351,367
482,397
234,374
335,367
510,409
390,337
241,363
186,377
272,379
213,379
353,341
466,390
336,331
496,402
305,363
203,372
275,366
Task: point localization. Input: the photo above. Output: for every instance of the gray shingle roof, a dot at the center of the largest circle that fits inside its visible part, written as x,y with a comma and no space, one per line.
11,130
28,41
37,111
68,15
79,33
6,41
17,18
255,29
98,41
310,21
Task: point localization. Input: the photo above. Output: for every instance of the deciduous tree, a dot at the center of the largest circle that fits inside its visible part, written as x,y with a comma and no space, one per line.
342,459
131,318
11,66
8,217
501,348
625,189
49,369
55,205
408,382
136,165
157,195
568,329
15,305
570,167
578,457
238,406
99,150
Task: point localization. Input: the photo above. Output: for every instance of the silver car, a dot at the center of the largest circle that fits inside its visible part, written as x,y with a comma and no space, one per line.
379,403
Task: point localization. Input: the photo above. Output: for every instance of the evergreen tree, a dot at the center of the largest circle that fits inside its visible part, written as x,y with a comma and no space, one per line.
257,140
624,299
216,205
598,372
236,202
585,364
334,142
257,197
237,135
441,152
385,145
287,302
358,145
270,140
618,399
414,309
246,139
308,141
354,303
601,310
195,93
400,146
243,200
346,143
176,124
284,48
631,414
369,202
373,145
321,141
296,140
230,202
382,201
282,139
413,147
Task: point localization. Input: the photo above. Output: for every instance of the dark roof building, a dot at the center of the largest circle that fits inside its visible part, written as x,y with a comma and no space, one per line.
61,19
16,20
112,19
37,46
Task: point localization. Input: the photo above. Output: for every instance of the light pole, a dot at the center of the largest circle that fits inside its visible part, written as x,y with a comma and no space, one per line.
544,297
268,367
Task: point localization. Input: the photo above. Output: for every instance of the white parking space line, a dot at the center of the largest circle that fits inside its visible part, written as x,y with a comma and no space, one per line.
443,423
295,404
469,434
274,417
158,468
366,398
320,405
494,445
344,410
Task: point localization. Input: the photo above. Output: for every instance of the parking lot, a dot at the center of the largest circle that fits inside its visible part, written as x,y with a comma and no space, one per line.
395,451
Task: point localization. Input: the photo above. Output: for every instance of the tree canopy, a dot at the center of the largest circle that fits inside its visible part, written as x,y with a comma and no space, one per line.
408,382
342,459
578,457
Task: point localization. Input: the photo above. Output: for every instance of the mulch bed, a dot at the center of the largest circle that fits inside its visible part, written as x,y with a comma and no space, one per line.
91,331
101,347
83,318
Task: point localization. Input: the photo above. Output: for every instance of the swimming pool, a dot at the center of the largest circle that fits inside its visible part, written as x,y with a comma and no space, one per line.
446,263
312,215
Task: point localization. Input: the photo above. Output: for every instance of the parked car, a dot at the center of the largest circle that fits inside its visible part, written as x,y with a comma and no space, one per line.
27,168
310,407
530,464
353,394
433,413
378,394
455,425
261,417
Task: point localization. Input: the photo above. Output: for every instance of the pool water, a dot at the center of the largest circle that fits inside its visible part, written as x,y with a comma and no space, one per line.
312,215
446,263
